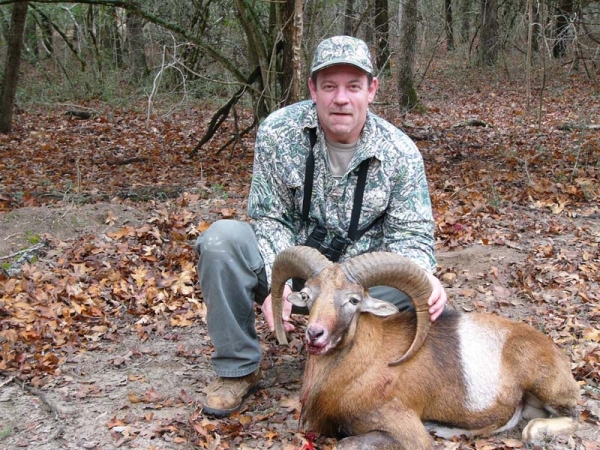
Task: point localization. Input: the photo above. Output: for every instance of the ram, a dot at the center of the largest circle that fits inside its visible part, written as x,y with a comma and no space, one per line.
383,379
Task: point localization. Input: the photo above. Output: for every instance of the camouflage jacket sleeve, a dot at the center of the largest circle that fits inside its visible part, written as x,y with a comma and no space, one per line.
276,178
408,227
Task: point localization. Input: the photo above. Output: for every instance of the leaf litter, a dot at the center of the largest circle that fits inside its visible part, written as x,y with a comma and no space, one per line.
103,341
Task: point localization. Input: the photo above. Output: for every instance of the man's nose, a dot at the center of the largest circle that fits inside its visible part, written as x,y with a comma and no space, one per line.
341,96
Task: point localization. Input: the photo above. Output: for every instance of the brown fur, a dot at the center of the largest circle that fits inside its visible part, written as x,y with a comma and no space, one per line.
348,392
375,376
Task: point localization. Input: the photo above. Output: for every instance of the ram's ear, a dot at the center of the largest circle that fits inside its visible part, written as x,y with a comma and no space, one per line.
378,307
298,299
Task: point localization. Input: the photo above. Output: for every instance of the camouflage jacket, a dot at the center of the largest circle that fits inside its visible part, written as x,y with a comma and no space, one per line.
396,195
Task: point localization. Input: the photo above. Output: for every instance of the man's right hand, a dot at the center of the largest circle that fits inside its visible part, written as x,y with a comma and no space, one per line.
267,309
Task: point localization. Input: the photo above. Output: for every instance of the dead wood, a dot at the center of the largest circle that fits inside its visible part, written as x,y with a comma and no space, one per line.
472,123
222,113
122,162
577,127
81,115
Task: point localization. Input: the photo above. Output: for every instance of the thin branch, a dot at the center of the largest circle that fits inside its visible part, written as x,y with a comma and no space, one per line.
137,9
27,250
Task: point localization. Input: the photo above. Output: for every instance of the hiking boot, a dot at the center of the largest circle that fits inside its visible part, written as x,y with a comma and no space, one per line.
225,395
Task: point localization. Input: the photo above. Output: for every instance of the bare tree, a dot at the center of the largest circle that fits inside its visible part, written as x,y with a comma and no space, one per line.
448,25
382,26
407,92
111,39
293,76
489,43
349,20
46,27
564,11
137,52
10,76
465,23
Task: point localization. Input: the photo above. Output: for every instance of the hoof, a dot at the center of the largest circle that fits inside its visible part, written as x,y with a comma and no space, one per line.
537,430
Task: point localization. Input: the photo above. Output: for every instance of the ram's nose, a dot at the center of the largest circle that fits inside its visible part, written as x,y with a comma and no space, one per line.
316,339
314,333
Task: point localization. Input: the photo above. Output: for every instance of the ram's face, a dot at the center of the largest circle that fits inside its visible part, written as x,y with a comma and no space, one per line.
335,305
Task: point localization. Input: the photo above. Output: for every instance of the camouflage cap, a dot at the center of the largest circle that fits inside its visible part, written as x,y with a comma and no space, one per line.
342,50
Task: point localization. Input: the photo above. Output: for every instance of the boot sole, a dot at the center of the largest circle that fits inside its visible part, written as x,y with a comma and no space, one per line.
222,413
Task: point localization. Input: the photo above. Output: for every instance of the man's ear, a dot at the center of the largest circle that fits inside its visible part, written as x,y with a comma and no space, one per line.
373,89
378,307
313,89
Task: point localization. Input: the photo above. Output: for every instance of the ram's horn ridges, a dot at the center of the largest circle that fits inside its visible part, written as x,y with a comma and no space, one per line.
294,262
391,269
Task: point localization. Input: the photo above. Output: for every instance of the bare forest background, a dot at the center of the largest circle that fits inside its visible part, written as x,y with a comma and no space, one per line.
255,53
127,128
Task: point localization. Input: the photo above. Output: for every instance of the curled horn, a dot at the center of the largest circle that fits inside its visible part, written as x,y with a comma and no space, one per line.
294,262
391,269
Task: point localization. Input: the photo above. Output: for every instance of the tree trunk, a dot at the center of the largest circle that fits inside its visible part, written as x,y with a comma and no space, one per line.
47,32
564,11
259,55
10,77
529,51
537,28
91,27
490,36
200,19
448,25
110,37
296,26
465,23
407,92
382,27
137,51
349,18
30,40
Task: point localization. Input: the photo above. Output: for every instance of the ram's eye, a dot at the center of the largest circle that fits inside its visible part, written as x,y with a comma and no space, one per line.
354,300
305,296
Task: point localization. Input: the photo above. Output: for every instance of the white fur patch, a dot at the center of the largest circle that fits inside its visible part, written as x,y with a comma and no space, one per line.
480,352
446,432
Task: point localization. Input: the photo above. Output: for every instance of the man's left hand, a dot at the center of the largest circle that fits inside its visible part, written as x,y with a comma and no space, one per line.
437,300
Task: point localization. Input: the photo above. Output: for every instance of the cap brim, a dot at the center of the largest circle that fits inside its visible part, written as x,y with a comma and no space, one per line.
335,62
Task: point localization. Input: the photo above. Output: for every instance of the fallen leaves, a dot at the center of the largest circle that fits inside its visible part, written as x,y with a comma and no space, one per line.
508,186
73,295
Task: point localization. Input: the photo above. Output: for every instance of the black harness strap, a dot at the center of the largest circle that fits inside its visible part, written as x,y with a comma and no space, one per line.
309,175
358,198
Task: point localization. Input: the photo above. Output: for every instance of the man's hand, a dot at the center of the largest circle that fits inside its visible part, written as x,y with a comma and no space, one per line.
438,297
267,309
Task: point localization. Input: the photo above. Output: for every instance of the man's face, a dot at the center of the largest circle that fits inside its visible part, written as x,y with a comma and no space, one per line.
342,94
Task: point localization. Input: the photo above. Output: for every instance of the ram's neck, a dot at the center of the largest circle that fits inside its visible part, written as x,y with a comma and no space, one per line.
329,379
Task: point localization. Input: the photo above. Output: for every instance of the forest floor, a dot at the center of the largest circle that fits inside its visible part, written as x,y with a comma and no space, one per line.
103,341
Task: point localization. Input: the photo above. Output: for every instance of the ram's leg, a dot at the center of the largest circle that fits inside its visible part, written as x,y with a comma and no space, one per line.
539,429
545,372
533,408
403,431
558,392
372,440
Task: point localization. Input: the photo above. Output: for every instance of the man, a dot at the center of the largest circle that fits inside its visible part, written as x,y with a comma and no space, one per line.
346,139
